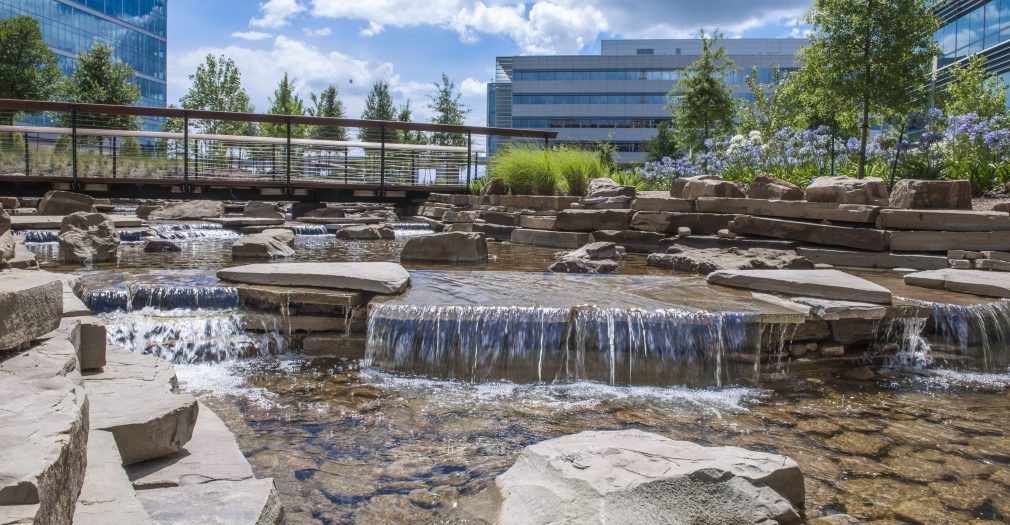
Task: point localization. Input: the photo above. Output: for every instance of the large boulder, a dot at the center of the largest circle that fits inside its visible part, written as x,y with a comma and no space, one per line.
708,260
595,257
847,190
189,210
705,186
88,237
931,194
260,245
366,232
604,187
632,477
263,210
454,247
677,185
31,304
774,188
58,202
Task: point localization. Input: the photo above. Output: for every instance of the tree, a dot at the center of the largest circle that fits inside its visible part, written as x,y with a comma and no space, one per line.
775,104
216,85
974,90
447,109
326,104
378,106
875,52
406,136
28,69
99,79
285,102
664,144
702,103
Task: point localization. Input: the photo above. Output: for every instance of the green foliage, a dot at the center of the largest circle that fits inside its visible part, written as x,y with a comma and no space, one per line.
873,52
216,85
606,153
446,107
99,79
378,106
974,90
528,170
406,136
285,102
327,104
576,168
478,184
28,69
129,147
775,104
664,144
704,106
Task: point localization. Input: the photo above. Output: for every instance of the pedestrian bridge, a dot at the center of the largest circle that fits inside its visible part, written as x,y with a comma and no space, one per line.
120,151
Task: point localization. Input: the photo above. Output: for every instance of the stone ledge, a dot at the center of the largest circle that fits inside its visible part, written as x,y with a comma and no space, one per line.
107,496
31,305
859,238
857,259
246,502
826,211
549,238
944,220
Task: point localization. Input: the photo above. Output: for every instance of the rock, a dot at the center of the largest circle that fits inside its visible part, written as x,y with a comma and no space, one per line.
90,335
821,211
934,241
683,231
144,210
677,185
161,246
607,203
978,282
88,237
826,284
633,477
592,220
263,210
107,496
773,188
494,231
377,277
861,373
260,245
279,297
538,202
454,247
833,310
550,239
31,305
8,246
189,210
58,202
598,251
859,238
596,257
366,232
9,203
696,187
860,259
643,203
494,187
24,259
500,217
931,194
671,222
287,323
534,222
5,221
604,187
847,190
285,235
706,261
632,240
240,222
246,502
944,220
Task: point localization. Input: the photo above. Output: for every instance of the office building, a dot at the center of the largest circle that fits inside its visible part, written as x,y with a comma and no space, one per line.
974,27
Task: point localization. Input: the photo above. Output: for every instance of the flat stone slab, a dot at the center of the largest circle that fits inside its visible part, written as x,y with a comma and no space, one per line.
281,296
858,259
235,222
821,211
212,454
107,496
944,220
53,222
267,322
246,502
376,277
549,238
942,241
341,220
830,310
859,238
631,240
31,305
711,241
667,203
824,284
978,282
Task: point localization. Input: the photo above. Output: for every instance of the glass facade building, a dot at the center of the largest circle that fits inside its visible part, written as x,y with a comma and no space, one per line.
619,96
134,29
974,27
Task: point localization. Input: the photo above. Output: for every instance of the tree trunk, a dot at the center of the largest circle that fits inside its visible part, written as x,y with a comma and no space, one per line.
866,95
834,130
897,153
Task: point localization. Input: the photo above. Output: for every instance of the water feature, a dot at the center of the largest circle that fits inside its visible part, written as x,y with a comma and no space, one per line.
40,236
407,229
190,231
309,229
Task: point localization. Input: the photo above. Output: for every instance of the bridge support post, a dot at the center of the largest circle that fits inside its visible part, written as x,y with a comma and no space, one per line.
113,157
185,152
347,153
382,160
469,142
28,164
73,147
287,183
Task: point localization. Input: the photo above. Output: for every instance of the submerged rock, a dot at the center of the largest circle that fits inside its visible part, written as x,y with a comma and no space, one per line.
634,477
189,210
708,260
456,247
88,237
161,245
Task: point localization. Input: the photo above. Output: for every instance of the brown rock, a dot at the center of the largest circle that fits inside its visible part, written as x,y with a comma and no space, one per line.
446,247
58,202
931,194
592,220
847,190
859,238
768,187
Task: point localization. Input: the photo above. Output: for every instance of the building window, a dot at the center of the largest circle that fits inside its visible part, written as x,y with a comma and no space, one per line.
646,51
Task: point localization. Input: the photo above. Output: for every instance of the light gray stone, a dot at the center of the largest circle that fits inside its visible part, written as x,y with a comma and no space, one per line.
378,277
246,502
633,477
550,239
91,338
366,232
595,257
446,247
826,211
606,203
55,222
848,190
944,220
493,231
825,284
706,261
832,310
31,305
24,259
604,187
260,246
978,282
59,202
859,238
189,210
107,497
87,238
861,259
263,210
239,222
934,241
632,240
537,222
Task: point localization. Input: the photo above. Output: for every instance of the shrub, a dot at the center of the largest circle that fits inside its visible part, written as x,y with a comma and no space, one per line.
576,168
525,171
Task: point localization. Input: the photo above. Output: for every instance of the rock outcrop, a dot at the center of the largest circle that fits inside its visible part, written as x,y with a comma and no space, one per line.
633,477
847,190
189,210
774,188
453,247
88,237
58,202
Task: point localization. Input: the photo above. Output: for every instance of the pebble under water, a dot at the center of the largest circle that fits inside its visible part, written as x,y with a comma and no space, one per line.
349,444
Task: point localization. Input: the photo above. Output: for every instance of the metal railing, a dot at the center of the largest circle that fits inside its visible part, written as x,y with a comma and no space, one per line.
82,143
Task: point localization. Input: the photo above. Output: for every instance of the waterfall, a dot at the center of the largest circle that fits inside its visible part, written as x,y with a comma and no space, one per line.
973,336
138,296
408,229
184,232
40,236
309,229
132,235
534,344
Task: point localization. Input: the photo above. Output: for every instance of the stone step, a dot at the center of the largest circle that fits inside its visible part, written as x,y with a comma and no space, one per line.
711,241
268,322
91,340
54,222
537,222
549,238
212,454
820,211
377,277
135,397
943,220
283,296
824,284
857,259
107,497
631,240
43,433
977,282
942,241
670,222
246,502
858,238
592,220
667,203
236,222
31,305
497,232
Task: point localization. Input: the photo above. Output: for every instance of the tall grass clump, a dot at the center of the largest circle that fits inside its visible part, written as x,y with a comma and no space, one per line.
525,171
576,168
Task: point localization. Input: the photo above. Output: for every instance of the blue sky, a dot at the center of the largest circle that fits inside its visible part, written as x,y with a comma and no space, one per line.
409,43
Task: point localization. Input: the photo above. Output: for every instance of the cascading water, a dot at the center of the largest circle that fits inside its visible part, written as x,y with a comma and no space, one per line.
534,344
973,336
193,231
139,296
309,229
407,229
132,235
40,236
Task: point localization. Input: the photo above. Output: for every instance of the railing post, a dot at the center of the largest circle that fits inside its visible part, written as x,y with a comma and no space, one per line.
273,161
382,159
287,184
28,164
347,153
73,146
113,157
185,152
469,141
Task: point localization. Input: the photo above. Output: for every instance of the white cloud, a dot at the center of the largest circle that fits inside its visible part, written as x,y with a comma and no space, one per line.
251,35
471,87
276,13
323,31
373,29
